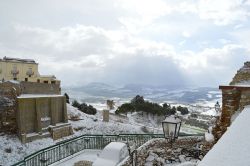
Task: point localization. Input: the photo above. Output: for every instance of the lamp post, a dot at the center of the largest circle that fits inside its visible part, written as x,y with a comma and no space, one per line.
217,108
171,128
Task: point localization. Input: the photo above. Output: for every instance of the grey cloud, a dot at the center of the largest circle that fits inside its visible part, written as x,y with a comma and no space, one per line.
143,69
84,41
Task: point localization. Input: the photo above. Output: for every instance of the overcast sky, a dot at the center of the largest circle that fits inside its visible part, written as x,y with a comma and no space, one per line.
156,42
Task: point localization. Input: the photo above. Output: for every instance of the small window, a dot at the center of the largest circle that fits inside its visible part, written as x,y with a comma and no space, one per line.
38,80
26,79
46,82
15,78
53,82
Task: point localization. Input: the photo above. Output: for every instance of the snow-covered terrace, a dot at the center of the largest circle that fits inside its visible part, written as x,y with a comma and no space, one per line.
233,147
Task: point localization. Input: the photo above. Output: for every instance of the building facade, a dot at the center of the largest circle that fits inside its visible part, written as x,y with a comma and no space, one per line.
23,70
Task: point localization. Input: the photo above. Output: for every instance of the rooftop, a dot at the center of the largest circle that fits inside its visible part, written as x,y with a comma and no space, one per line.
8,59
233,147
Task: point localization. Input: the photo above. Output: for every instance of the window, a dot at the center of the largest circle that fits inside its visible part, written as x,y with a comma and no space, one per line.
46,82
26,79
30,72
53,82
38,80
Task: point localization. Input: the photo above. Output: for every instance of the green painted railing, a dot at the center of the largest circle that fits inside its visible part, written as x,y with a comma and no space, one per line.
71,146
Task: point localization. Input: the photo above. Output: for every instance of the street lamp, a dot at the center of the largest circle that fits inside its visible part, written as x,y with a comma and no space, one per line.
171,128
217,107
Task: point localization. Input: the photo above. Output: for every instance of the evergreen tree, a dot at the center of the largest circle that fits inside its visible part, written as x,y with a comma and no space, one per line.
67,97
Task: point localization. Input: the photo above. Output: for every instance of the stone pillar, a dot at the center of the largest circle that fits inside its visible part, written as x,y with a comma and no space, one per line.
53,112
20,117
105,114
65,115
23,138
38,125
230,104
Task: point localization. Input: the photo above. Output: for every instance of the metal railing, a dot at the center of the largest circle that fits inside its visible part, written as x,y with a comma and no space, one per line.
71,146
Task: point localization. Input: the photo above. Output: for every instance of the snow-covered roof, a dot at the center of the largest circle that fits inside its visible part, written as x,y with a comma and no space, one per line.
112,154
13,81
18,60
233,147
38,95
172,119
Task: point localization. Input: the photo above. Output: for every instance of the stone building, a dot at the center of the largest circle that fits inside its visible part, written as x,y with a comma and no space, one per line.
23,70
235,97
32,108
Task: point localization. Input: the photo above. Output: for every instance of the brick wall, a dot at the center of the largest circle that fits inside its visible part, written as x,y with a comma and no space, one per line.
234,99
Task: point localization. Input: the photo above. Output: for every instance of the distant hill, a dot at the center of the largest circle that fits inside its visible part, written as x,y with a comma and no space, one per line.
100,92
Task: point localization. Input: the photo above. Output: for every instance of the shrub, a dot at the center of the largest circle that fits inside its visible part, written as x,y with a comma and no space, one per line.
137,100
124,108
88,109
183,110
139,104
75,104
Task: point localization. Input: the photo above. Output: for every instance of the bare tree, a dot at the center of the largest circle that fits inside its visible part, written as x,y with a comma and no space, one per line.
110,104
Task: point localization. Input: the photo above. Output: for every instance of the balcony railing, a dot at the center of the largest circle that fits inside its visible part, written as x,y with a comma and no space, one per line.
71,146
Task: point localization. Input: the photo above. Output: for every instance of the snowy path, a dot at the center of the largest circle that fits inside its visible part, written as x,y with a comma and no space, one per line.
89,155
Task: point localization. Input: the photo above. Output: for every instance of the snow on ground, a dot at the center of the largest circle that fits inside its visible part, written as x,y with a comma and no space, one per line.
86,124
92,124
12,150
88,155
233,147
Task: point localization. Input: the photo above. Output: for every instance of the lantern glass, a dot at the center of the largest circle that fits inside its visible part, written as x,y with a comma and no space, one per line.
171,127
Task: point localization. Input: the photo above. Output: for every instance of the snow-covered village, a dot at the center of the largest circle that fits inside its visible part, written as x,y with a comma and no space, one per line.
124,83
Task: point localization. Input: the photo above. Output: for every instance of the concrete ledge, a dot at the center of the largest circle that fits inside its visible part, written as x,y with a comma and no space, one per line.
238,87
25,138
61,130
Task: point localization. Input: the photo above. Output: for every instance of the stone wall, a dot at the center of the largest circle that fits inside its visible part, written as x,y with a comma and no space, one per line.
8,103
61,131
36,114
159,152
234,99
39,88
